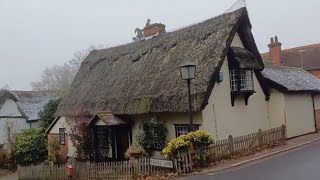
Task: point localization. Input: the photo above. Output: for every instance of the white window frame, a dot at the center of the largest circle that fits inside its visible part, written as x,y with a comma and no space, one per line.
182,129
155,140
245,80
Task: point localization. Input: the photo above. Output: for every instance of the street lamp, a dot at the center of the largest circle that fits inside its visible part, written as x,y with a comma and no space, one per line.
188,72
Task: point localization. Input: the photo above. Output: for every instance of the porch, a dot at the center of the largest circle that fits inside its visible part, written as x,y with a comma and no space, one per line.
111,136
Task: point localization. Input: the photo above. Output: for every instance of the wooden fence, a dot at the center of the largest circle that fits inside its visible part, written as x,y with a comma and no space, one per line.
124,169
42,172
183,163
92,171
222,149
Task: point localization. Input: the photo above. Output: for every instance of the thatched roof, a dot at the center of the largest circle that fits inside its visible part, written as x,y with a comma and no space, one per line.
245,58
144,77
290,79
4,95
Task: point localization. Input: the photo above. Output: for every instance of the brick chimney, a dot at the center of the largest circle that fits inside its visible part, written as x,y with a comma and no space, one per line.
153,29
275,50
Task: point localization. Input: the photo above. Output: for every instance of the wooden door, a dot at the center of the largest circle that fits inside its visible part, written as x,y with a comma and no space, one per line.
317,113
122,143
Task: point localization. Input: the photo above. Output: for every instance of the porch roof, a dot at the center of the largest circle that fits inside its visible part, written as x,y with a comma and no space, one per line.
108,118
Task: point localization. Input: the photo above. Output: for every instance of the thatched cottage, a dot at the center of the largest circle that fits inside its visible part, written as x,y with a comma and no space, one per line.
121,87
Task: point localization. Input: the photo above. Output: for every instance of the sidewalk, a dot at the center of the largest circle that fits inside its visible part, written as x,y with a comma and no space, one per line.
291,144
13,176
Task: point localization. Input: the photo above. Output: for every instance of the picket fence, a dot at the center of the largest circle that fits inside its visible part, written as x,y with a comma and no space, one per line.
183,163
93,171
223,149
124,169
42,172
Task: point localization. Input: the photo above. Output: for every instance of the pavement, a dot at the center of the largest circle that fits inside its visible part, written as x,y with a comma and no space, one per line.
13,176
299,159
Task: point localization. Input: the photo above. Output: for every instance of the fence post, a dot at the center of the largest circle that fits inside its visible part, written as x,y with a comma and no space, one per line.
231,147
260,137
283,132
88,169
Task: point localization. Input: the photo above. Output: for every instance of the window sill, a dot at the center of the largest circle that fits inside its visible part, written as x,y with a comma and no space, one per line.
245,93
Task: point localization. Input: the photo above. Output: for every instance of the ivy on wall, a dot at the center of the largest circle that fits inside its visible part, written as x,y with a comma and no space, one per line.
152,134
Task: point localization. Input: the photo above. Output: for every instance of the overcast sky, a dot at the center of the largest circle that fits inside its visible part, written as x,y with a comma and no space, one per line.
35,34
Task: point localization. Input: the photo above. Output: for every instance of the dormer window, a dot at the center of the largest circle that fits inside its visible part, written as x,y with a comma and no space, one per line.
241,80
242,64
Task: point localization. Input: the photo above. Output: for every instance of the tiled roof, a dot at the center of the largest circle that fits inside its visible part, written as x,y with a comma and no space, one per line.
290,78
309,55
32,102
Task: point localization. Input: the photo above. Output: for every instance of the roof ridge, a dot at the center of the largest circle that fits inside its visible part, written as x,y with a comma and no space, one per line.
302,47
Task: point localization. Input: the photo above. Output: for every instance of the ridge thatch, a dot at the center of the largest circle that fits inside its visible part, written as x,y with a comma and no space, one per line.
144,77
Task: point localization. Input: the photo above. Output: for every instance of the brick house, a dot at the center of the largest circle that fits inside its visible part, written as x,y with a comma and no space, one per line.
306,57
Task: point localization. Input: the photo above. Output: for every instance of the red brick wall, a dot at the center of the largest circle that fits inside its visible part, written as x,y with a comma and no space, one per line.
63,148
153,31
315,73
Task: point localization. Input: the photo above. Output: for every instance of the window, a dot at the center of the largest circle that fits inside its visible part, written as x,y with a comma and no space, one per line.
62,136
182,129
244,79
155,140
102,136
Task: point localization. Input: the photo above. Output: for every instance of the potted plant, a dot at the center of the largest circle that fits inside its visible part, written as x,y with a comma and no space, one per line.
134,152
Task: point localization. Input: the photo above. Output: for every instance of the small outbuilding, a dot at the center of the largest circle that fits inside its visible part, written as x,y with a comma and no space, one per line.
294,99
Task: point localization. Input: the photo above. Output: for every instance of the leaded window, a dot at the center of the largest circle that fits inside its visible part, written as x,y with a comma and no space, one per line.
102,136
182,129
241,80
155,140
62,135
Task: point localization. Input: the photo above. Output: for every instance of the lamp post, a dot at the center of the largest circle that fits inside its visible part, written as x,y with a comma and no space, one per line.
188,72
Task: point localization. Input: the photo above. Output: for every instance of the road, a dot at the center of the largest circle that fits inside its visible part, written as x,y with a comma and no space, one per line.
299,164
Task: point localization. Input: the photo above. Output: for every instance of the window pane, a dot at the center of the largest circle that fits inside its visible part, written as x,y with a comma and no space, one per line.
62,135
245,80
184,128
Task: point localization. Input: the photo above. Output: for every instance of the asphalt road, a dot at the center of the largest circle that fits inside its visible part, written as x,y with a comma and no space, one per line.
299,164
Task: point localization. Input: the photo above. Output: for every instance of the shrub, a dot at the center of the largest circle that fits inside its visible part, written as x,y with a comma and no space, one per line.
198,139
47,114
147,129
7,160
30,146
54,151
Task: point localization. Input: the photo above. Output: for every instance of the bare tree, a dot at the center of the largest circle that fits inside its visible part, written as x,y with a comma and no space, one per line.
60,77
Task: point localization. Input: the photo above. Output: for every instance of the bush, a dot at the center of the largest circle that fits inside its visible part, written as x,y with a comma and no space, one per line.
7,160
146,133
30,146
198,139
47,114
54,151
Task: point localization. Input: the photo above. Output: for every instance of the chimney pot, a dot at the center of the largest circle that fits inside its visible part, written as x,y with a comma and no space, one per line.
275,50
276,39
271,40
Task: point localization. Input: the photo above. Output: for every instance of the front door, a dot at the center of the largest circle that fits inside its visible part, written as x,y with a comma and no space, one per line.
122,141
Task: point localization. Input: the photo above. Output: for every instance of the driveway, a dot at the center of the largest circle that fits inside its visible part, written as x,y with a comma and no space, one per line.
299,164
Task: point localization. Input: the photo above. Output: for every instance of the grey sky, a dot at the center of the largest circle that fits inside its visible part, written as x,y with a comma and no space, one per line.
35,34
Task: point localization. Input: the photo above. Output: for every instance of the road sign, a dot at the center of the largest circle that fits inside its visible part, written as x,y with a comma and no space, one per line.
161,163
